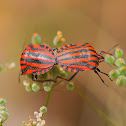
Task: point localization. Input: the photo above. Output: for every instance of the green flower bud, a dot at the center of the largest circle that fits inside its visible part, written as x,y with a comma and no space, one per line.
3,108
2,102
121,81
70,85
35,87
1,68
113,75
118,53
43,109
47,87
27,84
109,59
23,123
63,74
58,39
122,71
28,88
43,76
4,115
36,39
120,62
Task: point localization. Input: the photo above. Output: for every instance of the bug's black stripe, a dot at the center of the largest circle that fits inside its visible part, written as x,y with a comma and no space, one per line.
24,70
75,63
79,64
73,47
40,55
30,67
22,64
39,61
93,61
90,66
78,57
78,51
22,59
37,55
32,48
27,49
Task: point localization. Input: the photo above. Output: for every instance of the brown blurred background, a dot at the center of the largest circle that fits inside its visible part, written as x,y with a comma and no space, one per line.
99,22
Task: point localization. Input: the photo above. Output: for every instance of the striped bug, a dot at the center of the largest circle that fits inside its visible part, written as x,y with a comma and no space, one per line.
80,57
37,60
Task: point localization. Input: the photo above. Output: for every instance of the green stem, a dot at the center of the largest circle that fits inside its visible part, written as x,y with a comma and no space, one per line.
48,97
94,107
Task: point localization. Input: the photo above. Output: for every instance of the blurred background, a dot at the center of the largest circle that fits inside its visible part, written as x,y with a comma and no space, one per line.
102,23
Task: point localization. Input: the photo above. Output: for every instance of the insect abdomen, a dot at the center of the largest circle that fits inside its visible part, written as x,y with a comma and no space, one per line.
79,57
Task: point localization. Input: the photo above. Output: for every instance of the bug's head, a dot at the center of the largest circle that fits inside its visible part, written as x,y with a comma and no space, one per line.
100,57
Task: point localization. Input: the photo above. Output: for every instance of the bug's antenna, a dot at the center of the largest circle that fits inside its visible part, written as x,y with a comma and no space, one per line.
19,72
112,47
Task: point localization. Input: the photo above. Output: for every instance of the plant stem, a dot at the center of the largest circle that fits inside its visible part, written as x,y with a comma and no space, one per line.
48,97
94,107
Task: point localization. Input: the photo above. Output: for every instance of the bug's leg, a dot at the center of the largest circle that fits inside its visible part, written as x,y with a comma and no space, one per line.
35,77
32,77
41,81
67,79
104,73
100,77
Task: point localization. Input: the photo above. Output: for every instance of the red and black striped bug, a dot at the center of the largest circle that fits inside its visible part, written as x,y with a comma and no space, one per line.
80,57
37,60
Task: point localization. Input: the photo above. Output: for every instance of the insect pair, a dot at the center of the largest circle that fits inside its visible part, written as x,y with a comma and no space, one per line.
39,59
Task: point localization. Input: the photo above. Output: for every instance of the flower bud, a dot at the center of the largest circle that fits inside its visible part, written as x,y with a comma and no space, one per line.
35,87
118,53
70,85
43,109
1,68
121,81
122,71
4,115
47,87
11,65
63,74
36,39
2,102
113,74
28,88
3,108
120,62
58,39
109,59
